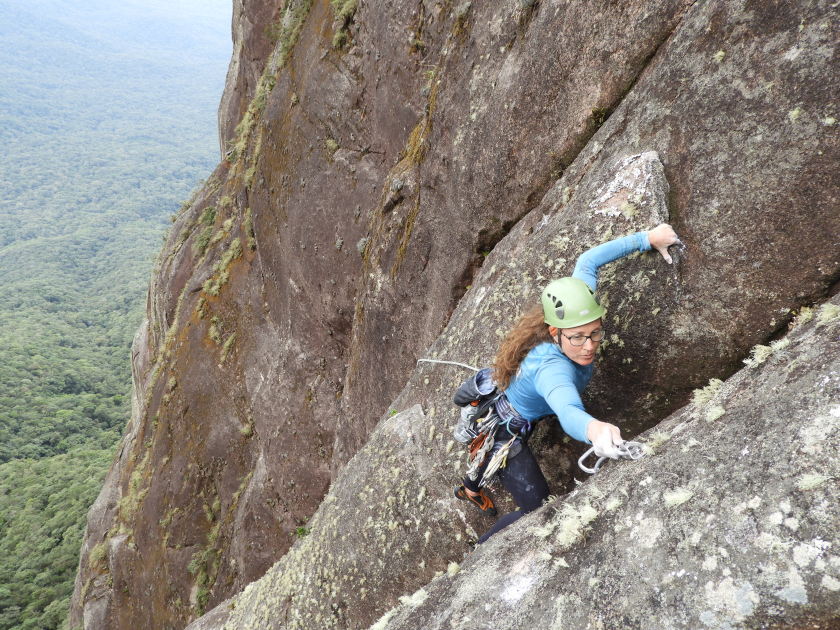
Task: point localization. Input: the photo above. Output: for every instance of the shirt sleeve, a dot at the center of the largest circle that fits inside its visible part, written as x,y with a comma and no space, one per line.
554,383
591,260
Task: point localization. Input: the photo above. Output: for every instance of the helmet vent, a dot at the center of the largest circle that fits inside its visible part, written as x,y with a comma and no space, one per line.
560,313
597,299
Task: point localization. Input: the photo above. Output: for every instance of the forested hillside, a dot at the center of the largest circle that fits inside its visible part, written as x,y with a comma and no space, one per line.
107,121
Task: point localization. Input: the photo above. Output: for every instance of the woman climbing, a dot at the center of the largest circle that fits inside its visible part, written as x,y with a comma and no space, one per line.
543,366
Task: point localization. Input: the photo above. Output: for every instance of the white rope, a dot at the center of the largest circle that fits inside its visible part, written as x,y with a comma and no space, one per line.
469,367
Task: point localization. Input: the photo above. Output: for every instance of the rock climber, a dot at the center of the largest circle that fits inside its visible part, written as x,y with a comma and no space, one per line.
542,367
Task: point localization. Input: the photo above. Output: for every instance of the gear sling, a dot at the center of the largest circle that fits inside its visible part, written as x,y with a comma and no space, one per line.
497,437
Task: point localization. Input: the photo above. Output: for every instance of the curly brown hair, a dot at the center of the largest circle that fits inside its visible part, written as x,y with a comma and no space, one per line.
528,332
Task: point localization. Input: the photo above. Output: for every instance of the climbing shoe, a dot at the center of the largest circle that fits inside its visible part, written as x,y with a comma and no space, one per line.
481,501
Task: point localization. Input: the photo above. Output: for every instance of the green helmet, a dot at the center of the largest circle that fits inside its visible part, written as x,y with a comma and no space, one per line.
569,302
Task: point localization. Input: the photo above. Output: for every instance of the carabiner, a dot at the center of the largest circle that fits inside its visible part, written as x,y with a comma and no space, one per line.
628,450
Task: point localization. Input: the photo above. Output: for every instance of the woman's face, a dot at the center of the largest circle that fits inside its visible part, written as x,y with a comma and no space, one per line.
582,355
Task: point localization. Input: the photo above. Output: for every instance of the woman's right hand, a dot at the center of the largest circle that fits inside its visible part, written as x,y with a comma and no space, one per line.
606,438
661,238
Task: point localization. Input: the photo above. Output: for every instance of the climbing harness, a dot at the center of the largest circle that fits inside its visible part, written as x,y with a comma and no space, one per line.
486,444
511,419
463,365
628,450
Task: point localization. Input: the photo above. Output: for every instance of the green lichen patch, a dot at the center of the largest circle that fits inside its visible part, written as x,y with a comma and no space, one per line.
134,495
810,481
208,216
248,225
213,285
202,241
228,346
215,329
678,496
344,10
758,355
828,314
715,413
656,440
204,566
567,528
804,316
701,396
775,352
98,553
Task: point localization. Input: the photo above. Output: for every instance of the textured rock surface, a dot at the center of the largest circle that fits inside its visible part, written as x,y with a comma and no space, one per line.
440,133
730,521
251,48
515,97
375,536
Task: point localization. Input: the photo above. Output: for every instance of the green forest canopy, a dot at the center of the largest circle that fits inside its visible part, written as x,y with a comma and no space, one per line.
107,121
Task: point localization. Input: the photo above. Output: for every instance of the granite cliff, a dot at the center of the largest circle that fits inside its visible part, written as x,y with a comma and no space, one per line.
398,181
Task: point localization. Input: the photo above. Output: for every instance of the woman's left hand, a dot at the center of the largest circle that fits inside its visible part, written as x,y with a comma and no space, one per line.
661,238
605,438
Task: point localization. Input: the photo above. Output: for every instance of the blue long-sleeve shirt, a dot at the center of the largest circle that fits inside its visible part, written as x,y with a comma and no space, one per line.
548,381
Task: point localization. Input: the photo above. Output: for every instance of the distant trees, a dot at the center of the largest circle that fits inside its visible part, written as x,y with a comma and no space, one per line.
104,127
43,505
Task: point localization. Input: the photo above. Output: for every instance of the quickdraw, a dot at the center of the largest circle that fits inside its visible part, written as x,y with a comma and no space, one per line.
628,450
499,461
502,415
483,444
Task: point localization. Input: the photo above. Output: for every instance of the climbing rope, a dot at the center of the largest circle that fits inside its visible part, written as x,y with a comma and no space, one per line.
628,450
464,365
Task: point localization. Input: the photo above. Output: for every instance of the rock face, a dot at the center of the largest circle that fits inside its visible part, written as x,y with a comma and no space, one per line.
252,29
729,521
401,180
510,106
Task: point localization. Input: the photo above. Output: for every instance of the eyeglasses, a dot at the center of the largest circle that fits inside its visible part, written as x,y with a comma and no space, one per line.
579,340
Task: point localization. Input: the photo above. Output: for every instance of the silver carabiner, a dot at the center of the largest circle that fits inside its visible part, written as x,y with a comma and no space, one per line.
628,450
